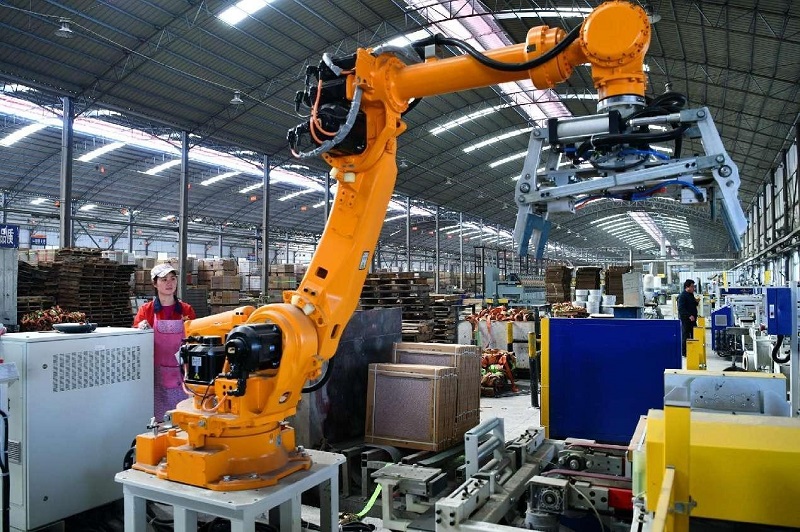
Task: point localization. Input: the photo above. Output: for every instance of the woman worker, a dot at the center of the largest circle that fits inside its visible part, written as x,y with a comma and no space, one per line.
165,314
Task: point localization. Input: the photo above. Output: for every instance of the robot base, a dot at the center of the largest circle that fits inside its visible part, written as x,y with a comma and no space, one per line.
223,463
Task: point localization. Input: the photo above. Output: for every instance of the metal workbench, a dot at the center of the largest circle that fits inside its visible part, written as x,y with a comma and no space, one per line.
240,507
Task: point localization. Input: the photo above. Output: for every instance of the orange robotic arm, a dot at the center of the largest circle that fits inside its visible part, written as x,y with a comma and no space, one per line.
230,434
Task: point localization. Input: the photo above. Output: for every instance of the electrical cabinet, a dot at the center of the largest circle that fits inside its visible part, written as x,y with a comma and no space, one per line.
779,311
80,401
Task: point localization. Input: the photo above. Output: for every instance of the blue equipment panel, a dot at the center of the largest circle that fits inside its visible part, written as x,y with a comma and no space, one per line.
721,319
779,311
605,373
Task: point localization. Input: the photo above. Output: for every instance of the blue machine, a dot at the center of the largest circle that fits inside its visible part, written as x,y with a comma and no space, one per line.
779,311
721,319
605,373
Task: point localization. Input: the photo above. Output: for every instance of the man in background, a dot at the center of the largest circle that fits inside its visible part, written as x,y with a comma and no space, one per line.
687,312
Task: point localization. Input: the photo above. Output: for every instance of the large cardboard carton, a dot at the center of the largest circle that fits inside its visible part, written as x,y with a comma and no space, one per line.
466,359
411,406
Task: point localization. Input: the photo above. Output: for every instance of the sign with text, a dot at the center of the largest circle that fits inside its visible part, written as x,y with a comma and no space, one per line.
38,240
9,236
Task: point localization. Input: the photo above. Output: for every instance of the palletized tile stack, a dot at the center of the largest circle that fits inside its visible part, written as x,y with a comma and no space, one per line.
413,361
411,406
467,361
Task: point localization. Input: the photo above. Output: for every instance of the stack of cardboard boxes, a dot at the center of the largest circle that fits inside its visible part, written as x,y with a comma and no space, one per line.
221,277
143,284
250,273
281,277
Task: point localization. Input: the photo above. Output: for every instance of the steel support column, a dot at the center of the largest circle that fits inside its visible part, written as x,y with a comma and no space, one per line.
265,229
408,234
183,216
130,230
461,248
66,236
438,250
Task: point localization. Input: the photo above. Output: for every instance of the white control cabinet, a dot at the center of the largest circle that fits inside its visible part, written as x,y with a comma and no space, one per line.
80,401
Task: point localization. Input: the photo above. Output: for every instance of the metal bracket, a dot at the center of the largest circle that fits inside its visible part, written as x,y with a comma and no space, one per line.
684,508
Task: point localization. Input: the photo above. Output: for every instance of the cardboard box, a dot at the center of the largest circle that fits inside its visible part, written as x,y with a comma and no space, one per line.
224,297
466,359
411,406
228,265
226,282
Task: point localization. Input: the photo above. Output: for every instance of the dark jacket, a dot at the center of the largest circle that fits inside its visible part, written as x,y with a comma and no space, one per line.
687,305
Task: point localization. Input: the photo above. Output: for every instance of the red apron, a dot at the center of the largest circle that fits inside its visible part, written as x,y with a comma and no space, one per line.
168,390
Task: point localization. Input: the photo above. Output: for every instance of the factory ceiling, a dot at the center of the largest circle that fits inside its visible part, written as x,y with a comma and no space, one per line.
158,68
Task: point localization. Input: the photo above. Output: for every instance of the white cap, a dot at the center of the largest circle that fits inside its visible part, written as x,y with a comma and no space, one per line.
161,270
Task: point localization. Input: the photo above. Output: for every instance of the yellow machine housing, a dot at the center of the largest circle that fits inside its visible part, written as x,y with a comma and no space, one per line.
742,468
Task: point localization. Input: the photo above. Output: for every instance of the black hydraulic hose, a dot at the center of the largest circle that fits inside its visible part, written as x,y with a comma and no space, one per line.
320,383
499,65
6,477
776,349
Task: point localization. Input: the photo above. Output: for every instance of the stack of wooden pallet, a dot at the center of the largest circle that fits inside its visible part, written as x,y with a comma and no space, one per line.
408,290
445,317
89,283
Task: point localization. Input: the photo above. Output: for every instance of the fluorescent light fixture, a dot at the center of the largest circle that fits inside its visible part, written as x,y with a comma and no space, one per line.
20,134
394,218
251,188
515,157
87,207
38,201
161,167
578,96
241,10
218,178
287,197
15,87
318,205
561,12
497,138
467,118
94,154
169,218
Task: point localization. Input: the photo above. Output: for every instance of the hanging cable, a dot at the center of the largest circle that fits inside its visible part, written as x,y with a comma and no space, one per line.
499,65
320,383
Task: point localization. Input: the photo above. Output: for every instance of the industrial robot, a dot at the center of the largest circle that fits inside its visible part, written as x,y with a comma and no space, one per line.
245,369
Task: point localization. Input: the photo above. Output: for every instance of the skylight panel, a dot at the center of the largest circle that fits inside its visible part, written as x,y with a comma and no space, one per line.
161,167
251,188
94,154
497,138
218,178
18,135
561,12
467,118
241,10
